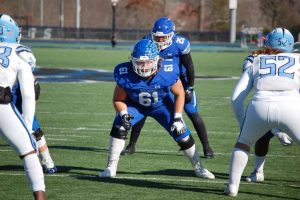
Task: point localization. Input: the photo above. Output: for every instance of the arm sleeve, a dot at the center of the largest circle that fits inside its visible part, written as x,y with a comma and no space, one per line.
240,92
186,60
26,81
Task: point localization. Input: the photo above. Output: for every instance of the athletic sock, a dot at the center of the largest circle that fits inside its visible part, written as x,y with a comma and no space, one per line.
238,162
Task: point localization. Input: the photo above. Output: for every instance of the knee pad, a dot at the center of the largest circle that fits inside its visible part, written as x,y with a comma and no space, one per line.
186,143
38,134
118,132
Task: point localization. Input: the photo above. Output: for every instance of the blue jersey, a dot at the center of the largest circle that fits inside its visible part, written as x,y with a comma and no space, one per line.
148,93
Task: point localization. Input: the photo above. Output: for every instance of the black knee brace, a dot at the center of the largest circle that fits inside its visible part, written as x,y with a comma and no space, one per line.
38,134
118,133
187,143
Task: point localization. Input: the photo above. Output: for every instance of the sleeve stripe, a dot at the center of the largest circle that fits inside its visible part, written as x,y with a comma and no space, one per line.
20,49
187,50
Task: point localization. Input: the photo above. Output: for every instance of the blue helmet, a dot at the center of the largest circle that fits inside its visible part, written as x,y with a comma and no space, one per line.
9,30
281,39
144,58
162,32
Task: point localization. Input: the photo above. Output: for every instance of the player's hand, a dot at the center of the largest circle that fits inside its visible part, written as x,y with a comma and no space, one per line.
126,121
178,126
283,138
189,94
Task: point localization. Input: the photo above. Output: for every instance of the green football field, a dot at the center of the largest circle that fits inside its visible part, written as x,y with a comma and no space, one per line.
77,118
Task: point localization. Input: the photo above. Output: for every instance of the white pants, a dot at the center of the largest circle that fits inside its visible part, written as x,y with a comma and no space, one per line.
262,116
14,131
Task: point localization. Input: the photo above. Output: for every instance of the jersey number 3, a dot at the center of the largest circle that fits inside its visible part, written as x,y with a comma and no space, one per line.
4,53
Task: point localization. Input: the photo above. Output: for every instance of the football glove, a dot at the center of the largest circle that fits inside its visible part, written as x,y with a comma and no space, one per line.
126,121
189,94
178,126
283,138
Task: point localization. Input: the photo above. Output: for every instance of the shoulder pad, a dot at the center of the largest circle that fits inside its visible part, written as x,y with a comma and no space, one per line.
26,54
247,62
182,43
123,73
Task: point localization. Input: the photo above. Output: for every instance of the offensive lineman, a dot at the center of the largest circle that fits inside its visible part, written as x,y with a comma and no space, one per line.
146,87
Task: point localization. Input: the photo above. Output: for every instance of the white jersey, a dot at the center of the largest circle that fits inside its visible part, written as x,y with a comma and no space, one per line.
279,72
276,99
16,64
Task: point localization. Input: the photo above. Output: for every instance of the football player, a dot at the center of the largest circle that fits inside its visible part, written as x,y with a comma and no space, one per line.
274,75
15,128
262,144
177,47
143,89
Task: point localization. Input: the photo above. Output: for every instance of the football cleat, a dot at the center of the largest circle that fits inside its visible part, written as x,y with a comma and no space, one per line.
108,173
52,170
255,176
203,173
129,150
231,190
111,170
208,153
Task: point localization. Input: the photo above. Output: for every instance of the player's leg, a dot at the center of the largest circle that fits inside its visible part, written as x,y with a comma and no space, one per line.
164,116
44,154
14,132
261,150
191,109
254,127
117,142
135,133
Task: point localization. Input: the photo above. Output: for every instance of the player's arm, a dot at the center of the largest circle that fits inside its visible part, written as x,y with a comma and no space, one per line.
119,99
26,81
186,60
178,91
121,107
240,92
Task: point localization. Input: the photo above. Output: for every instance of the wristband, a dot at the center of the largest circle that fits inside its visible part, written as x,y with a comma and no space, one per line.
123,112
177,115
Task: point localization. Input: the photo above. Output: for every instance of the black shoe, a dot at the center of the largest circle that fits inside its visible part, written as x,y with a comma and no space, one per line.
129,150
208,153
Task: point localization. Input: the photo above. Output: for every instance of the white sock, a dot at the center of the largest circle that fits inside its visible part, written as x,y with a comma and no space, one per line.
238,162
259,162
115,148
193,155
41,142
34,172
46,159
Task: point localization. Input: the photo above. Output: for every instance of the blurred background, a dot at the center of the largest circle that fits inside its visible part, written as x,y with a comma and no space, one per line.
241,22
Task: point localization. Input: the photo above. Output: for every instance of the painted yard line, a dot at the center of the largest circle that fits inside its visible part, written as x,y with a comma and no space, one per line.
76,136
129,177
173,152
195,180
